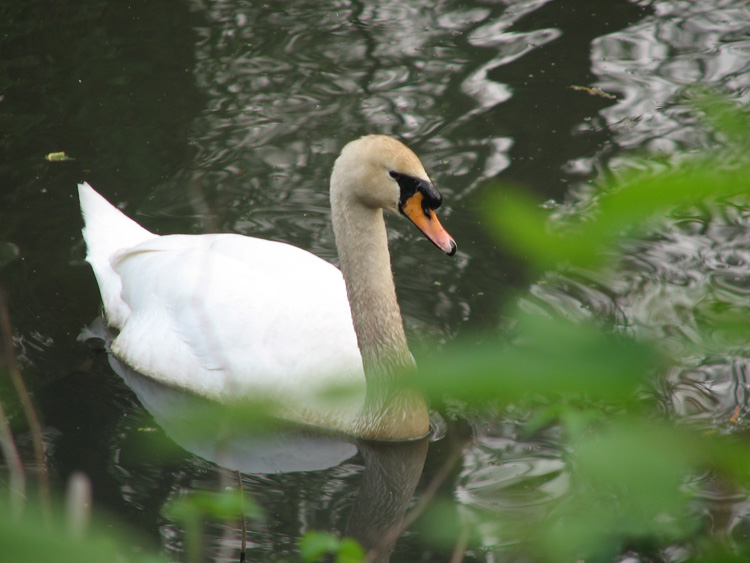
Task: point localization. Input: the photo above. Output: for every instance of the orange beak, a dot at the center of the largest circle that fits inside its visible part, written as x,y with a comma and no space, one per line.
426,221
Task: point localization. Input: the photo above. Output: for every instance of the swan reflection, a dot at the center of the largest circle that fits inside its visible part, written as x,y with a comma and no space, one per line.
386,486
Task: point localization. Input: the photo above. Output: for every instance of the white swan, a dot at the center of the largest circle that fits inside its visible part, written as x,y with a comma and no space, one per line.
225,315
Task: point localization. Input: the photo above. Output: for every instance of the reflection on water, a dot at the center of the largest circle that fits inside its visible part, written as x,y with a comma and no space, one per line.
669,285
510,475
650,64
226,115
278,459
670,288
276,451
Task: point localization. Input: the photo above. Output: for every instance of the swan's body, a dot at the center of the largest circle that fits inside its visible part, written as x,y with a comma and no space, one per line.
225,315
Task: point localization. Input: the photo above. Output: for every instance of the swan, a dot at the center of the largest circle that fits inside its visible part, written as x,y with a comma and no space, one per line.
227,316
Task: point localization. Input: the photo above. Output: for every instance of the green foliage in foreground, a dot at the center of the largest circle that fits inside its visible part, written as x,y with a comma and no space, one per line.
629,467
34,537
314,546
634,476
547,356
197,507
632,203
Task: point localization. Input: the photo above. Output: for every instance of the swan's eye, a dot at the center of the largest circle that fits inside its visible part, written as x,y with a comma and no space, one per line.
410,185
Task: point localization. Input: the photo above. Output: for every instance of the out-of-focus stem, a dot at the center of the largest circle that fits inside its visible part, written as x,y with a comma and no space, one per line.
9,359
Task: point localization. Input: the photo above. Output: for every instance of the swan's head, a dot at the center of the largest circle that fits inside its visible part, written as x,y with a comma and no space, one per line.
377,171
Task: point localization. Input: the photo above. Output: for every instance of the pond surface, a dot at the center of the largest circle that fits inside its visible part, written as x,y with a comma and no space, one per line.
227,115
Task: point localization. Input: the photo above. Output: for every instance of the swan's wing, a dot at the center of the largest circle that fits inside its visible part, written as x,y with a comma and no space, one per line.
226,314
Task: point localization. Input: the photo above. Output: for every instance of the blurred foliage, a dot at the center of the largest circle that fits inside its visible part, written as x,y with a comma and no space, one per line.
224,507
197,507
634,475
316,545
34,537
631,203
547,356
632,471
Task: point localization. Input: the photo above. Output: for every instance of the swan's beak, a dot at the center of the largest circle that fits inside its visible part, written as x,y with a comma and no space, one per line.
426,221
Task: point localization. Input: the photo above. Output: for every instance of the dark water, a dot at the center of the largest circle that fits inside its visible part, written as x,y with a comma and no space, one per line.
227,115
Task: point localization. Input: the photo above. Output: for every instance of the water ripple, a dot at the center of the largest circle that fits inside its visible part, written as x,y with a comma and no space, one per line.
650,64
669,288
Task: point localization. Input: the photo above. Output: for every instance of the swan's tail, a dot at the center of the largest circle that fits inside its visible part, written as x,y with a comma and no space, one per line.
106,232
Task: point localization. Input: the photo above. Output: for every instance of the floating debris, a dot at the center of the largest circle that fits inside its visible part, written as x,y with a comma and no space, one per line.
735,418
8,253
57,157
593,92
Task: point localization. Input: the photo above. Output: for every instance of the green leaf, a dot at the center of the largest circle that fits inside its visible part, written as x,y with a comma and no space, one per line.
315,545
548,356
633,204
350,552
34,538
224,506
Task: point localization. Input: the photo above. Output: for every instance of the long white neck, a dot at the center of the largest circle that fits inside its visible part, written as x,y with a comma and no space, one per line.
362,244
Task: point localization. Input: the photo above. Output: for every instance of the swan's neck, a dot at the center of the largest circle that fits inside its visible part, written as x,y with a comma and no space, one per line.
362,242
366,265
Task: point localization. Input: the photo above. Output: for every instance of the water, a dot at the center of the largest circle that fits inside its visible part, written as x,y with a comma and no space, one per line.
226,116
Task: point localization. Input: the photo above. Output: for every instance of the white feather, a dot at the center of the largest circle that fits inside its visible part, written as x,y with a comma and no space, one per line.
223,315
